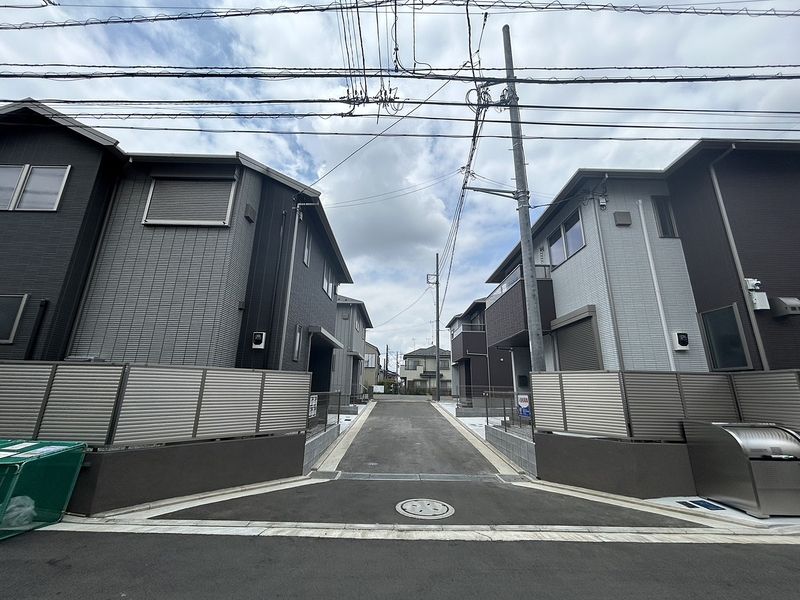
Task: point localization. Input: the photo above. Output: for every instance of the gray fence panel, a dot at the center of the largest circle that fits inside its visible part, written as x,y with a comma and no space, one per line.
546,394
594,403
160,405
81,403
285,402
654,405
230,403
709,397
22,389
770,396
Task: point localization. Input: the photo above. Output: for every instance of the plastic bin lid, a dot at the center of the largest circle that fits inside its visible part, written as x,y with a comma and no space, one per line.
18,451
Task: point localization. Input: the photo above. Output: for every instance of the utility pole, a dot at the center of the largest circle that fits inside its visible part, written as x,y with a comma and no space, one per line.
523,211
435,280
386,365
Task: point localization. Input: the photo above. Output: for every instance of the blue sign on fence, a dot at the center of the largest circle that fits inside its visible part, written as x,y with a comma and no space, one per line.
523,405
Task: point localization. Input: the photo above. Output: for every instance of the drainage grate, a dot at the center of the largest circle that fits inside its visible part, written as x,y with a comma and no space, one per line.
425,508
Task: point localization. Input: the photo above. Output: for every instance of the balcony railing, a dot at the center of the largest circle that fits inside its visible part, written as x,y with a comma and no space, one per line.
542,272
462,327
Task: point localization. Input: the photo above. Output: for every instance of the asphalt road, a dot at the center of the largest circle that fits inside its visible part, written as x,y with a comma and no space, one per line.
88,566
410,436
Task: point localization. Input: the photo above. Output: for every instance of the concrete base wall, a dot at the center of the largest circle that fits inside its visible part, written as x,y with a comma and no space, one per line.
641,470
119,478
518,450
316,446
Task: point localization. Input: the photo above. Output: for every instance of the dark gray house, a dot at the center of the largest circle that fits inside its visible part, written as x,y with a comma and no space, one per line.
476,367
172,259
690,268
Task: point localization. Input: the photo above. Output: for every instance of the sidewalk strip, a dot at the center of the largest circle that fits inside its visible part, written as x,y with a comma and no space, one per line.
496,460
472,533
339,449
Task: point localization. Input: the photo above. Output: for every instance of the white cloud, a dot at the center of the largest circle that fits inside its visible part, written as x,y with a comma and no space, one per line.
390,245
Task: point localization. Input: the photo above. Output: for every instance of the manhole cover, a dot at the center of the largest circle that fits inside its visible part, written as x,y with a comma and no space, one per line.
425,508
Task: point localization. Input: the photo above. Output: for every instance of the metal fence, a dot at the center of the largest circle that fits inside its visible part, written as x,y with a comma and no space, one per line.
324,410
125,404
651,405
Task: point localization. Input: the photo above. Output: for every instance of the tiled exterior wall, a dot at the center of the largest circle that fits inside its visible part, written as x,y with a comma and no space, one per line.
640,329
580,281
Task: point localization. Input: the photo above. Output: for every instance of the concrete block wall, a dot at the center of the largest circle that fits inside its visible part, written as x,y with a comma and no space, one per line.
317,445
518,450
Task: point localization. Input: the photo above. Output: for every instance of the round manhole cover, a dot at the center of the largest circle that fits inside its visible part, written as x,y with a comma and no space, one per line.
425,508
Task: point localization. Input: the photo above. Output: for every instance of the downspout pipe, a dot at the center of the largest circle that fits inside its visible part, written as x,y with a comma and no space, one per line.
292,258
611,304
735,253
656,287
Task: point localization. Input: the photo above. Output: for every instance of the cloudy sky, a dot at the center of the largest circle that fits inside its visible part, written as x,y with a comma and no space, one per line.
396,196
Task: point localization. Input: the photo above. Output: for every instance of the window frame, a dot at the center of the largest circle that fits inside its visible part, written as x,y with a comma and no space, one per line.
191,222
22,182
562,233
15,327
328,285
707,342
307,248
298,342
665,202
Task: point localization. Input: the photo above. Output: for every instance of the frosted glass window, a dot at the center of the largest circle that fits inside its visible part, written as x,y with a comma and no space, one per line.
9,178
42,188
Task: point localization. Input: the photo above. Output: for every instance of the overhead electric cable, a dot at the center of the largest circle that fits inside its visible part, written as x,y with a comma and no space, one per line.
406,309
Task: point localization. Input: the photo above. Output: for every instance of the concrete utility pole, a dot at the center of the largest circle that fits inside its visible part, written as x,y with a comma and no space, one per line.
523,211
435,280
386,367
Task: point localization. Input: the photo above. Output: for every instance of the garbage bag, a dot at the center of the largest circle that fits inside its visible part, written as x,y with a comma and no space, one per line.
21,510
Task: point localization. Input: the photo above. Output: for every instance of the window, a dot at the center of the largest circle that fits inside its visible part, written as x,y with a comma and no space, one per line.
11,308
370,362
357,322
444,363
412,364
723,336
664,217
26,187
327,281
566,240
202,202
298,338
307,249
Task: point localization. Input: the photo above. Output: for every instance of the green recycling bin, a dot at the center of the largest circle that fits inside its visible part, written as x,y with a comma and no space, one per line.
36,482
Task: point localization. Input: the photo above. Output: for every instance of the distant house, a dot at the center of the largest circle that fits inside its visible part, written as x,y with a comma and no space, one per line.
164,259
352,322
476,367
372,366
690,268
419,371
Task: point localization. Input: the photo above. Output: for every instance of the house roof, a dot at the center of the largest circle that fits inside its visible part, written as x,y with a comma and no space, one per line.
373,347
29,104
475,303
360,304
96,136
580,175
429,351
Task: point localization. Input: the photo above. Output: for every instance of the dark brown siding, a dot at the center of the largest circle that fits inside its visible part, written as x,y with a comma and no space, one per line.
506,321
709,261
760,191
468,342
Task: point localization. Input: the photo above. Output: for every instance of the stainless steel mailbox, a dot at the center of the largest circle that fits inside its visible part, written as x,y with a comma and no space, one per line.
751,466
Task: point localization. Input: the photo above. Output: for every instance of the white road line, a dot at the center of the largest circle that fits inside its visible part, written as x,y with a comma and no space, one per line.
337,452
631,503
503,466
470,533
159,508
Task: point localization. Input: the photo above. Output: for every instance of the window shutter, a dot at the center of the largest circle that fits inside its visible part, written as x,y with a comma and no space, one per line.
577,346
189,202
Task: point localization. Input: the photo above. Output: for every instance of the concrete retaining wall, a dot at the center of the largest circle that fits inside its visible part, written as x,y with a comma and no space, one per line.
518,450
316,446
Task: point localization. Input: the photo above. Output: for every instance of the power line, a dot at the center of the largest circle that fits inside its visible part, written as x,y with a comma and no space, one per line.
288,101
376,73
346,115
485,5
406,309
